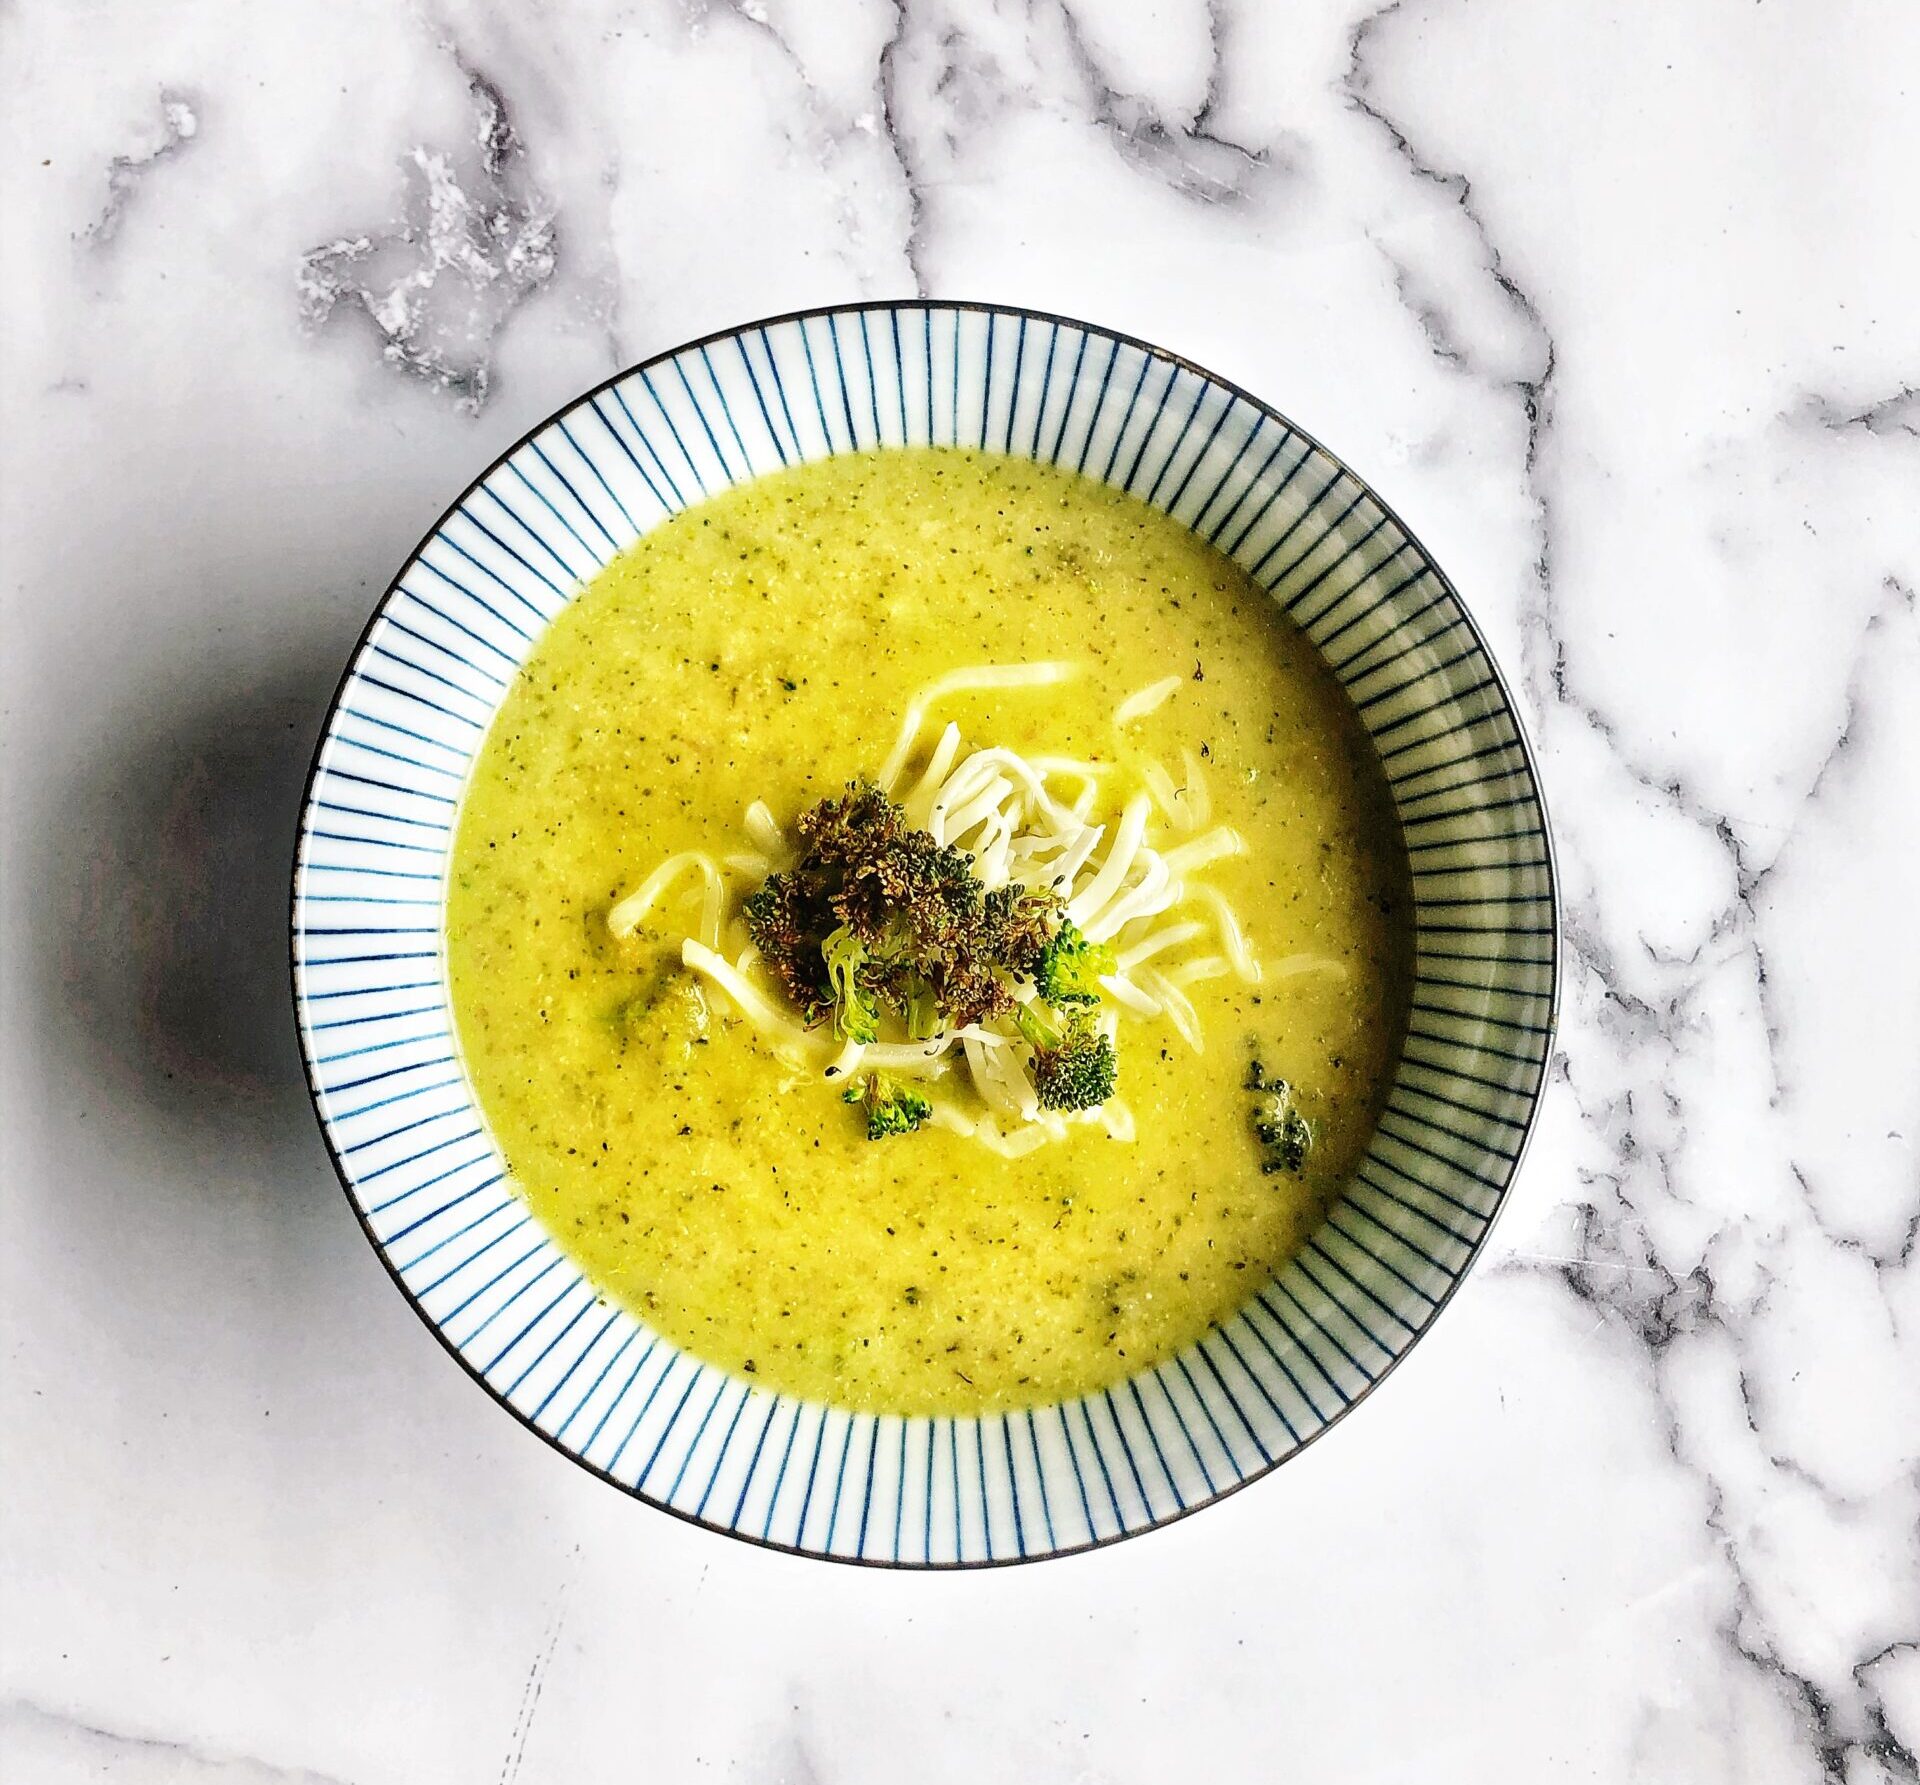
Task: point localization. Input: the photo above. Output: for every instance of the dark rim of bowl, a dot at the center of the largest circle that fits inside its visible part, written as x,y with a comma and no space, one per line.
882,306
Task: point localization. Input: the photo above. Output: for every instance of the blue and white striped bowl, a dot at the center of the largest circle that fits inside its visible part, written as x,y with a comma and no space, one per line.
412,1147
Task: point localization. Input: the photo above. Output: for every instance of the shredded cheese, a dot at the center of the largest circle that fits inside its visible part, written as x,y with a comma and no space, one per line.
1128,878
626,917
1147,700
966,681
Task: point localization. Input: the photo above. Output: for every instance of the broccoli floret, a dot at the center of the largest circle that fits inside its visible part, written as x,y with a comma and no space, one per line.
892,1106
1284,1134
669,1017
856,1017
1074,1066
915,905
1017,925
1069,968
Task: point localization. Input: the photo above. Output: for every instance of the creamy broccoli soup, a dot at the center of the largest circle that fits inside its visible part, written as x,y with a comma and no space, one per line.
926,934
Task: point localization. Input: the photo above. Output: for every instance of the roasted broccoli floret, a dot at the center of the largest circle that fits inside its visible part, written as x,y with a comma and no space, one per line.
1018,924
787,925
1069,968
929,928
892,1107
1074,1066
855,1015
1284,1134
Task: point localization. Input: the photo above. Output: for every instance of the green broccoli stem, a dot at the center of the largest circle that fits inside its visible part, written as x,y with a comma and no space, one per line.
856,1017
921,1009
1034,1023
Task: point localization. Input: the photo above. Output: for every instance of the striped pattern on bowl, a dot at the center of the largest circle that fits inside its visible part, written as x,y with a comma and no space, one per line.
413,1150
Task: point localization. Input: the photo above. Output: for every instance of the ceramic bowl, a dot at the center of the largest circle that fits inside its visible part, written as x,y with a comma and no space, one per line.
413,1150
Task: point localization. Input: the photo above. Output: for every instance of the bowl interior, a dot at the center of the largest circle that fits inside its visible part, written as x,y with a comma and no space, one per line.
413,1150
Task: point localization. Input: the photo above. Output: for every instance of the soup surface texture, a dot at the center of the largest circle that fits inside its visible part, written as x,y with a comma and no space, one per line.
763,645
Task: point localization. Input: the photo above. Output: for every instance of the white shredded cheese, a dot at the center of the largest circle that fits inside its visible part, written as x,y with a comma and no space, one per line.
966,681
626,917
1125,878
1147,700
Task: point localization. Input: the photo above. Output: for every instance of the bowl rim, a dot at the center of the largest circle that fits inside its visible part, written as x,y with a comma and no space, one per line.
882,306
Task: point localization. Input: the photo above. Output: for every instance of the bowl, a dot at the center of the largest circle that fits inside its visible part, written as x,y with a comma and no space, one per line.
413,1150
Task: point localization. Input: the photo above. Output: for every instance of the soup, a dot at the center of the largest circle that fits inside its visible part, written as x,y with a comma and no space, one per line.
672,1117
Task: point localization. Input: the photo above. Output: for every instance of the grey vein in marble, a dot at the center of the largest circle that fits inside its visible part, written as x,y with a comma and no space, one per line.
948,73
1532,382
177,126
1896,413
33,1736
535,1683
477,241
1186,154
914,247
837,133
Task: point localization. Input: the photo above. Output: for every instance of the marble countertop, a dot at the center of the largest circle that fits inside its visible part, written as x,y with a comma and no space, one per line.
1615,304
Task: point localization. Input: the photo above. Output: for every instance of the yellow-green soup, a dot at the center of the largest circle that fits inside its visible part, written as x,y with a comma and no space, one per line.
763,645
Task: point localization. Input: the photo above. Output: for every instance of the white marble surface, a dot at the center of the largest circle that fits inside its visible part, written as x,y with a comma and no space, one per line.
1617,304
